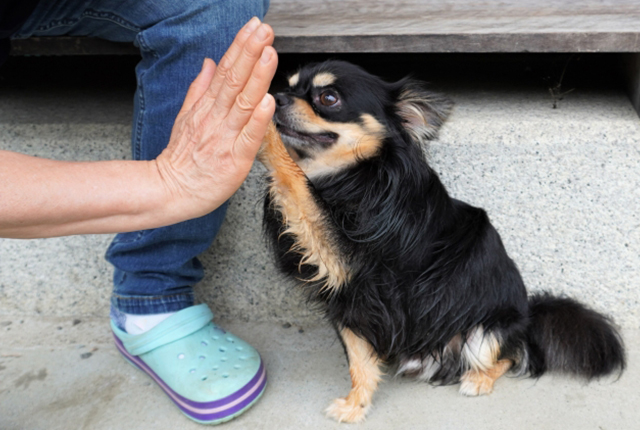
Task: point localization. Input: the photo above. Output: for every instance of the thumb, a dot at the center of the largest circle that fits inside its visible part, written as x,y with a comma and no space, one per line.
200,85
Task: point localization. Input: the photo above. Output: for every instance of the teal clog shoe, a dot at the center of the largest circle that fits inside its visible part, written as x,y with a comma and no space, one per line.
210,374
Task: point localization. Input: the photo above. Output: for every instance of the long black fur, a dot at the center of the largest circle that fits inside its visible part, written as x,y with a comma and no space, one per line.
427,267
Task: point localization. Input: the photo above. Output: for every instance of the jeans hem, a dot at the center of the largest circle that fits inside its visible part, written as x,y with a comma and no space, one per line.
143,305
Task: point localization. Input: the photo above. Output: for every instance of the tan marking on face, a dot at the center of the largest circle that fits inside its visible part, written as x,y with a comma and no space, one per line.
303,218
372,125
357,141
293,79
364,368
323,79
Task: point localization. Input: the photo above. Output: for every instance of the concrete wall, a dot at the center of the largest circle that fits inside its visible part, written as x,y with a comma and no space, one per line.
561,186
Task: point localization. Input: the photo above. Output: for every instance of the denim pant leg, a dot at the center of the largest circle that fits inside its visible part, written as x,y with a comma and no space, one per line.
156,269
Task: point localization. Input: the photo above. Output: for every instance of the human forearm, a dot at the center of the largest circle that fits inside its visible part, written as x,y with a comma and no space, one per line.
46,198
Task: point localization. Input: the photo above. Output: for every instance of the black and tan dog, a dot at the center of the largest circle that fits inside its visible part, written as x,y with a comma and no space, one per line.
412,279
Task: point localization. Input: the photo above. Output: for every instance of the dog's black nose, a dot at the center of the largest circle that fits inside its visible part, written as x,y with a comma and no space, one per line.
283,100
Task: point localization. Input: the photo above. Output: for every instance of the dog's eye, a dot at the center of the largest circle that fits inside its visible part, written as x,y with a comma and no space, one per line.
328,98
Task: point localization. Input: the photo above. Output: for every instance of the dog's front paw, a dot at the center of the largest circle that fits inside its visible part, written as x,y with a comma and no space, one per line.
346,410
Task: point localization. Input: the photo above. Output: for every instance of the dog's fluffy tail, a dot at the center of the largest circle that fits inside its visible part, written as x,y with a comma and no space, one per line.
565,336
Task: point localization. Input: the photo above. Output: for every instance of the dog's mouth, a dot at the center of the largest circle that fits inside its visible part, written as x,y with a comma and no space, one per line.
296,137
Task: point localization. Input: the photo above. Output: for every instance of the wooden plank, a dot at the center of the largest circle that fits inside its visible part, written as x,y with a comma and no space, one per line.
458,43
456,25
428,26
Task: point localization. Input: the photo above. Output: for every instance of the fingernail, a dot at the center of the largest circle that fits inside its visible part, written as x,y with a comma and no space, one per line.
252,24
204,63
266,56
265,101
262,32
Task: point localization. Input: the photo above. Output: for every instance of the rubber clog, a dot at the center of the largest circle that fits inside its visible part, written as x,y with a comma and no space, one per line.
210,374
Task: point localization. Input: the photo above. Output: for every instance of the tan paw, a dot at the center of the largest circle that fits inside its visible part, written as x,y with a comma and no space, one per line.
347,411
476,384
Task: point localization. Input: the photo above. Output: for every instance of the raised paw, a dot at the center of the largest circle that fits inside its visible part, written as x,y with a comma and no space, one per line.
347,411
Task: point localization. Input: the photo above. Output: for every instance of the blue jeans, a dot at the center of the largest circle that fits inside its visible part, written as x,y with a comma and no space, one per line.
155,270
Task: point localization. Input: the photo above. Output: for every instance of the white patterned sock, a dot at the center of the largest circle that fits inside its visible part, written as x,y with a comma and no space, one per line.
137,324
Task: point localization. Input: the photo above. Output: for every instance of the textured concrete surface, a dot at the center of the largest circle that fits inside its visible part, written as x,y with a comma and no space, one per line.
46,384
561,185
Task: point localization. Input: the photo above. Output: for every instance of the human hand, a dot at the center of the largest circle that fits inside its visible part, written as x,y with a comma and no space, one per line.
220,127
213,144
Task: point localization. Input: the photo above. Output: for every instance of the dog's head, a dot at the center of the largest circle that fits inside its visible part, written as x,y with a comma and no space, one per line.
334,114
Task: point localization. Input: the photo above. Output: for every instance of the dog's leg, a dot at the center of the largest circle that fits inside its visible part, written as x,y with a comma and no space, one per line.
478,382
283,170
364,367
306,221
481,352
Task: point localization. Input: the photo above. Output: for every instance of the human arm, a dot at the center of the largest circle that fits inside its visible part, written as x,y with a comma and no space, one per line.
212,147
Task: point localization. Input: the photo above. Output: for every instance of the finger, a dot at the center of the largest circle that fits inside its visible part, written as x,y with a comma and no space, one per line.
231,55
239,73
254,90
200,85
248,142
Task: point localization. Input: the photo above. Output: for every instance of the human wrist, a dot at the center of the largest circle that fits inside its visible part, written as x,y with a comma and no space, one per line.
162,205
176,201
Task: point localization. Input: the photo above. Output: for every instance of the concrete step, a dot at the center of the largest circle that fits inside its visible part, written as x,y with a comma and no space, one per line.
560,184
65,374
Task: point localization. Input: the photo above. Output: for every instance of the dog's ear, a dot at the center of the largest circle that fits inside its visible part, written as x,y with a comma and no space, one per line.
422,111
